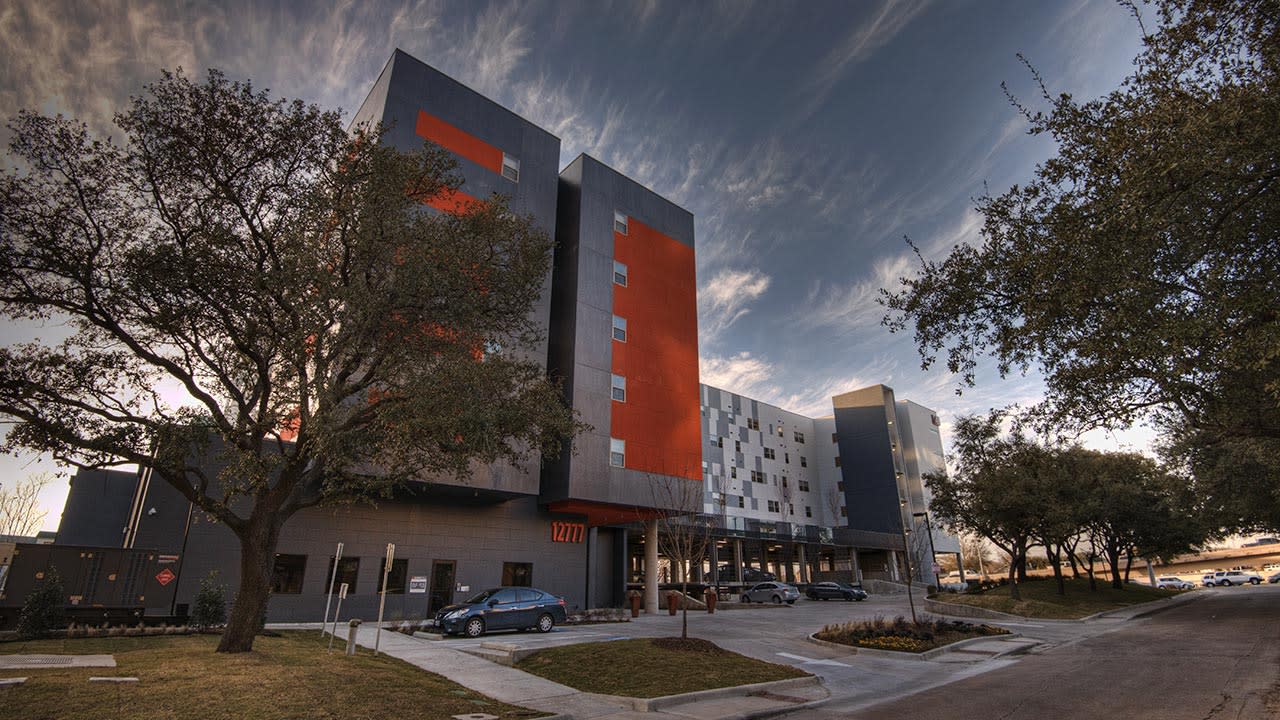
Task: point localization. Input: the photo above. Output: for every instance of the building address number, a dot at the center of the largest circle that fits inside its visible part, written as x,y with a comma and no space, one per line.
569,532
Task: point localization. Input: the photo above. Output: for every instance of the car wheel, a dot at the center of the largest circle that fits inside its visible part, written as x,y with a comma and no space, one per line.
858,598
848,597
545,622
746,599
474,627
777,599
1254,581
1225,583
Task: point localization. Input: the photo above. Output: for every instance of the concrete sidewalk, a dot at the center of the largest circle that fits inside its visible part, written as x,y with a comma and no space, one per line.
516,687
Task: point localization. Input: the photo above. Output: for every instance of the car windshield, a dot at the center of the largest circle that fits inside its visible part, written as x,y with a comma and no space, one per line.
483,597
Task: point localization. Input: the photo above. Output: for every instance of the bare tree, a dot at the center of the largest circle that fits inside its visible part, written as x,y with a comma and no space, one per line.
684,533
20,512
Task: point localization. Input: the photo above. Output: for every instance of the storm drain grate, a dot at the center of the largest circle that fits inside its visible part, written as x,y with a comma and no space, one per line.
49,660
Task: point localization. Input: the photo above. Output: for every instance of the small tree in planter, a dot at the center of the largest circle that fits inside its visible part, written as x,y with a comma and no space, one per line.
684,534
211,603
42,613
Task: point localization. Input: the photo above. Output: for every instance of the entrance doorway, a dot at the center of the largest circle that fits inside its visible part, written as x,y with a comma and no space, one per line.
441,586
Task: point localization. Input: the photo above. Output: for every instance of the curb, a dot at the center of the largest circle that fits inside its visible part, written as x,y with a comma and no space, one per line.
655,704
939,607
926,655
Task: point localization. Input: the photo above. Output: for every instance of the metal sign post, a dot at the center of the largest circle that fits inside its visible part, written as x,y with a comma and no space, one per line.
333,577
382,603
342,595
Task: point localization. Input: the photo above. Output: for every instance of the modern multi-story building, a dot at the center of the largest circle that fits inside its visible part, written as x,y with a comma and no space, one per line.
810,498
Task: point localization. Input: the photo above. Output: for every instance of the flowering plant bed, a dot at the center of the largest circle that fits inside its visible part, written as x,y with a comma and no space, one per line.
902,635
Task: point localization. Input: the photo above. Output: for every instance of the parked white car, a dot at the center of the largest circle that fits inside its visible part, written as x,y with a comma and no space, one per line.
1173,583
775,592
1226,578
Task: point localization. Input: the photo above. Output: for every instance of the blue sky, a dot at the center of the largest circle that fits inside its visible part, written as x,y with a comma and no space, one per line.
807,138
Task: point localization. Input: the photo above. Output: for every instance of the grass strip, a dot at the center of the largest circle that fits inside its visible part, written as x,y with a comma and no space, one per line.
1040,599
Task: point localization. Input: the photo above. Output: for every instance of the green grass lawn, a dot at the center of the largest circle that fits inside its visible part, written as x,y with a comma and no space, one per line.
1040,599
650,667
291,676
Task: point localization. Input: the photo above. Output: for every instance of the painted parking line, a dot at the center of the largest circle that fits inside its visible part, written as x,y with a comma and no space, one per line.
812,661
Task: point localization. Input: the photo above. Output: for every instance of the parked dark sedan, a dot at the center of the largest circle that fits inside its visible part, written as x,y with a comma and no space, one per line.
505,608
837,590
749,575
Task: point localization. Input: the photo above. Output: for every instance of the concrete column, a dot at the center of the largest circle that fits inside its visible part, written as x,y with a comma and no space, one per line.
651,567
590,595
737,561
804,565
893,566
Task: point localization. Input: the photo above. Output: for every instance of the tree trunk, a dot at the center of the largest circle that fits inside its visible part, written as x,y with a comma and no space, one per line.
1128,563
684,602
1093,581
1055,559
257,558
1113,559
1014,592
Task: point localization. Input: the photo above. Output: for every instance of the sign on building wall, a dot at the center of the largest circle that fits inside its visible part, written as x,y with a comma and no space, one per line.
569,532
418,584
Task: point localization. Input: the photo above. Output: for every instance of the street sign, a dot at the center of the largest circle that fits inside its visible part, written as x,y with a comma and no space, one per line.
165,576
342,592
418,584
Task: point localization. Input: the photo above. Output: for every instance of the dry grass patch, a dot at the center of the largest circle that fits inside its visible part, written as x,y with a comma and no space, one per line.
291,676
1040,599
651,667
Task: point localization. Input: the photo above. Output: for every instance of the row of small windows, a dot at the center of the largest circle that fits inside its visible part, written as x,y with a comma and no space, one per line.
776,506
510,168
288,571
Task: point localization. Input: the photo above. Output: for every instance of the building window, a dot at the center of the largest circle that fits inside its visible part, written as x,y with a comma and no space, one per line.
787,457
808,511
618,388
620,223
757,476
395,578
784,481
799,436
742,501
753,424
737,446
733,472
619,328
779,429
617,452
840,486
769,454
803,485
517,574
791,509
286,574
844,511
619,273
835,438
803,462
510,168
775,506
348,571
837,461
720,441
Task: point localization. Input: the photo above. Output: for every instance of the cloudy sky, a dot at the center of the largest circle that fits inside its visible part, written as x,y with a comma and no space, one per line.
807,138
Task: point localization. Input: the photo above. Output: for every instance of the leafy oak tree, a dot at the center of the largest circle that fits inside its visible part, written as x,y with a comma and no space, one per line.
1139,268
242,276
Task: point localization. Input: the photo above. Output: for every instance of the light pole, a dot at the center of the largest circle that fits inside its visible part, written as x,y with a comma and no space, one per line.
932,552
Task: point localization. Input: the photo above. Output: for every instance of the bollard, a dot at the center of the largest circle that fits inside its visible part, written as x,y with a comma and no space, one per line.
354,626
711,599
635,605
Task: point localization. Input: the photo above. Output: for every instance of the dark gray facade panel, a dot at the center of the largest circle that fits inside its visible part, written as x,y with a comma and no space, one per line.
871,489
97,508
713,397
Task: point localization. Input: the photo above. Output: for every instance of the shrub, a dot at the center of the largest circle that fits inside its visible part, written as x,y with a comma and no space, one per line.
903,635
211,603
43,611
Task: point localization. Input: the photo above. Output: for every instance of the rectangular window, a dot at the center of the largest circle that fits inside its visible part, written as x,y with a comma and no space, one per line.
733,472
779,429
617,452
784,481
618,388
737,446
774,506
840,486
720,441
510,168
808,511
348,570
769,454
791,509
803,462
517,574
837,461
286,574
753,424
844,512
787,457
742,501
395,578
799,436
619,222
757,476
835,438
619,328
619,274
803,485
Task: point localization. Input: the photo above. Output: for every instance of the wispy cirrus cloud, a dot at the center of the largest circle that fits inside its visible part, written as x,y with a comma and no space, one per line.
725,298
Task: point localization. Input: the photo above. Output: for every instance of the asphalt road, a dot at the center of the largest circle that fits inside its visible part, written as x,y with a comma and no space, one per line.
1215,657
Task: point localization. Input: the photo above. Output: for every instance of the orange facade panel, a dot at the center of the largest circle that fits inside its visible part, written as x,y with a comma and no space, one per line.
660,419
459,142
